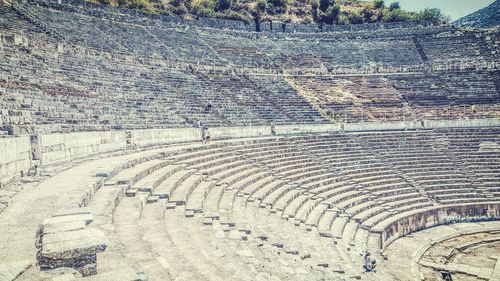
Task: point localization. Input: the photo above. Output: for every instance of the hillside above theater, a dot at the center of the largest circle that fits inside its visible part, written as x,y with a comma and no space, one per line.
487,17
296,11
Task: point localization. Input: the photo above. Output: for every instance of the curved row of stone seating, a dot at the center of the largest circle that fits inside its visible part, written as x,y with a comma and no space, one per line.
105,61
327,192
425,164
292,203
476,153
393,52
403,97
172,227
186,102
408,251
397,52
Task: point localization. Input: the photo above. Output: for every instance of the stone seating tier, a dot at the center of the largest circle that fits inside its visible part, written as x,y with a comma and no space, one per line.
100,76
190,210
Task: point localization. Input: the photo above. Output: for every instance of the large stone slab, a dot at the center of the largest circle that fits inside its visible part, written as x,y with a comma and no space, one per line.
62,227
73,244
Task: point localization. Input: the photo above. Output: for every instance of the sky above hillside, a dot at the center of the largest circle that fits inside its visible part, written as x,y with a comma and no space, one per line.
453,8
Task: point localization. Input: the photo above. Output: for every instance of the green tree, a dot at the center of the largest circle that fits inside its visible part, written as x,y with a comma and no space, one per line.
204,8
355,17
378,4
314,9
223,5
397,15
134,4
432,15
332,14
261,5
278,5
324,4
367,15
394,6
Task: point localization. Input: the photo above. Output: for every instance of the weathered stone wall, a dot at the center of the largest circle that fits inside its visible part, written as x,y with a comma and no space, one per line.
381,126
153,137
15,157
430,124
18,154
56,148
308,128
404,225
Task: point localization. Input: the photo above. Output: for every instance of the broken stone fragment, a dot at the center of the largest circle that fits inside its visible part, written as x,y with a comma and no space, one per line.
102,174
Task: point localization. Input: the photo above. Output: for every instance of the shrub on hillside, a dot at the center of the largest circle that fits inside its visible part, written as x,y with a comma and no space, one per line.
325,4
222,5
277,6
332,14
378,4
432,15
135,4
355,17
203,8
262,5
368,15
397,15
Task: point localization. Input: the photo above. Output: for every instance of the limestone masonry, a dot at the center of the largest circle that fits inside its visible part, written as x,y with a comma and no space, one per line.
355,152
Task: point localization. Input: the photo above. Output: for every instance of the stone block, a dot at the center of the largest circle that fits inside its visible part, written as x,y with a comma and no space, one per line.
207,221
72,211
170,205
131,192
189,214
146,189
62,227
152,199
73,244
87,218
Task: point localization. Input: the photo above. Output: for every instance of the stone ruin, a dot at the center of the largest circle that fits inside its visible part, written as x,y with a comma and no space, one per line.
63,240
365,152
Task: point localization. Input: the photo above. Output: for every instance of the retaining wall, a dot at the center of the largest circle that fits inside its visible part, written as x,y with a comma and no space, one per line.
431,124
56,148
403,225
15,157
153,137
17,153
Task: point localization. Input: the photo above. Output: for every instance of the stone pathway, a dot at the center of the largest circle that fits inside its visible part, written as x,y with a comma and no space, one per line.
19,222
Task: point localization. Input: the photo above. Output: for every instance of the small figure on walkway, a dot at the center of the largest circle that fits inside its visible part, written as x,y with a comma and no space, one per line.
273,129
208,108
370,263
205,134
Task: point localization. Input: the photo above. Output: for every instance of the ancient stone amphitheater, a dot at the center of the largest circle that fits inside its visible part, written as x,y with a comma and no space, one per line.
338,152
